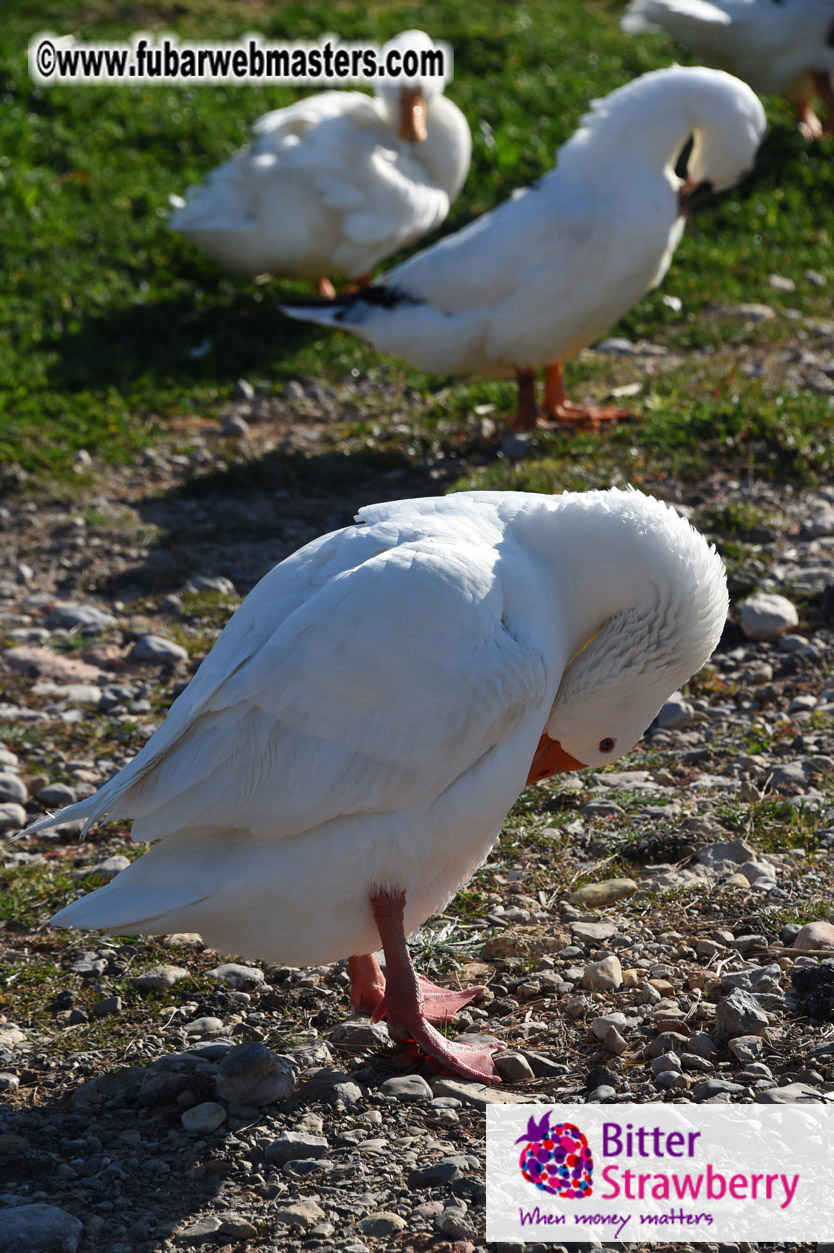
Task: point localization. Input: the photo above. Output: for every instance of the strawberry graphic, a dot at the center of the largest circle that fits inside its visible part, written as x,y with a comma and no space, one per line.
556,1158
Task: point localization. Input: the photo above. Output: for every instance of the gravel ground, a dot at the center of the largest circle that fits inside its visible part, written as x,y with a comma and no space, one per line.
658,931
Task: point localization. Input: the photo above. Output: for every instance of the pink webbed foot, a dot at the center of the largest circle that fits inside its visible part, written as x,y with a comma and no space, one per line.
467,1060
410,1003
367,984
441,1004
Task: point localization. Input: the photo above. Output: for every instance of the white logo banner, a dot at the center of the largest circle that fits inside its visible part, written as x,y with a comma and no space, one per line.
660,1172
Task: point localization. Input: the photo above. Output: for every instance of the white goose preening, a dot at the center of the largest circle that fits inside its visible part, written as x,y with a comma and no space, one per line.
345,755
780,46
553,268
335,183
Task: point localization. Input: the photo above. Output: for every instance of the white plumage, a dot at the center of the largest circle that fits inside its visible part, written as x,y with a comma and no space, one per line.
329,186
377,703
779,46
551,269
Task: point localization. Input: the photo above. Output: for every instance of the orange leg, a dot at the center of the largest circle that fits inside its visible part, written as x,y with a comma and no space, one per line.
527,414
325,288
409,1002
564,413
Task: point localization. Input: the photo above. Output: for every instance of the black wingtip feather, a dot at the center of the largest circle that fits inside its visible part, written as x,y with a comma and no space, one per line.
375,296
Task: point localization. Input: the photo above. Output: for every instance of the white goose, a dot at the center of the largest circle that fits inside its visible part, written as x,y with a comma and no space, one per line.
345,756
551,269
335,183
779,46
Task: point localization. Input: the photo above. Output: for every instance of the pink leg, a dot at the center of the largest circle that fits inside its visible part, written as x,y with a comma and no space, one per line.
404,1002
325,288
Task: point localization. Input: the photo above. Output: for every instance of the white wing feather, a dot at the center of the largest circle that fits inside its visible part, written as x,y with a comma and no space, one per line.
358,677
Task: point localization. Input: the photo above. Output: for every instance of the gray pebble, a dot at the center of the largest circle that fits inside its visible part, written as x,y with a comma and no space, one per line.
406,1088
12,817
739,1014
154,648
39,1229
252,1074
243,978
12,788
202,1120
381,1223
57,795
292,1145
765,616
88,618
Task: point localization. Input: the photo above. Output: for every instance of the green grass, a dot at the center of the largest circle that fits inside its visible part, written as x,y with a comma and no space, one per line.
103,306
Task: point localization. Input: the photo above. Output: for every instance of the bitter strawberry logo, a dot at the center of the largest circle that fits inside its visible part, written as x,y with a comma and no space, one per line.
557,1158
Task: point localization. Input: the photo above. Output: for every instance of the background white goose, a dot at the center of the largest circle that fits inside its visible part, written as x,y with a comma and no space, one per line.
335,183
779,46
344,757
551,269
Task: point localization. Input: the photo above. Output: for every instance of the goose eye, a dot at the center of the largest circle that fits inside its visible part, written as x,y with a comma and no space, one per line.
606,745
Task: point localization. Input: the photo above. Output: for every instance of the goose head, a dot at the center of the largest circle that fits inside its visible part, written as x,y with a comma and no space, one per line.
642,630
728,125
406,99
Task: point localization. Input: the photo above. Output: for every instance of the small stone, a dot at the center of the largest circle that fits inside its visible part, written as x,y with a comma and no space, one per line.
676,714
381,1223
668,1042
815,935
203,1028
57,795
251,1074
12,788
739,1014
202,1120
304,1214
235,427
359,1034
9,1081
200,1231
595,932
160,979
87,618
159,651
513,1067
765,616
517,445
747,1048
595,895
666,1061
294,1146
779,282
602,1025
614,1042
455,1224
39,1229
242,978
790,1094
109,1005
406,1088
12,817
110,866
605,975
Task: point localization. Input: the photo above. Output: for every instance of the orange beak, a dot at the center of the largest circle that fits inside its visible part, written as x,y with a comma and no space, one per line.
412,115
550,758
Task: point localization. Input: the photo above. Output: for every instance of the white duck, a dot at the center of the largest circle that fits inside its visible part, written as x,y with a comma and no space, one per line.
336,182
779,46
345,755
551,269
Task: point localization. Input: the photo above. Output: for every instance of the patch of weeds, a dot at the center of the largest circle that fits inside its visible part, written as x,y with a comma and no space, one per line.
209,606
